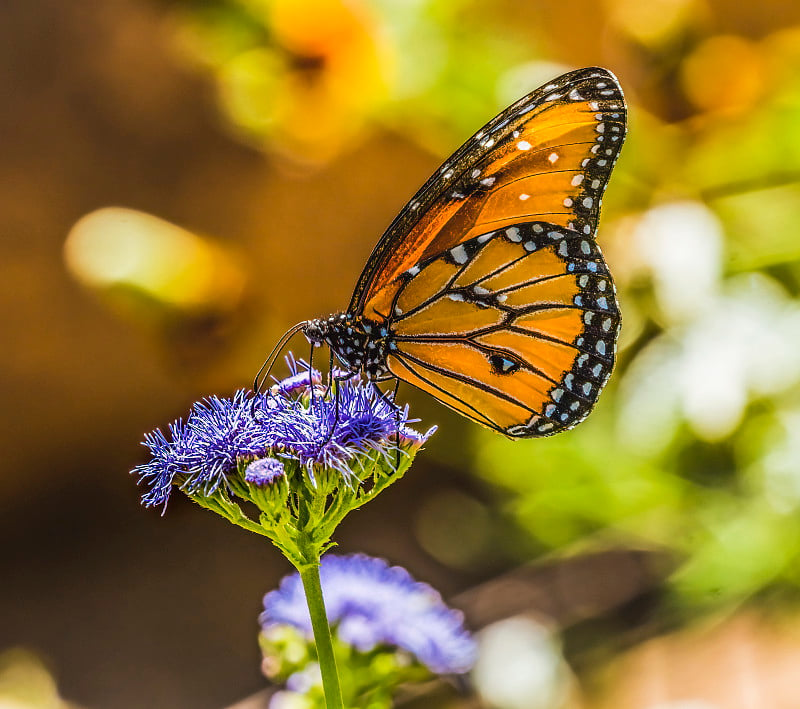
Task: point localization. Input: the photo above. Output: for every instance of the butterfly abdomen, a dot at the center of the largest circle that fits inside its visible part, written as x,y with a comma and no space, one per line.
358,344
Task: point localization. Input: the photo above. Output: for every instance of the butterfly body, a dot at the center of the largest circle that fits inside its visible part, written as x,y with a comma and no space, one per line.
361,346
488,290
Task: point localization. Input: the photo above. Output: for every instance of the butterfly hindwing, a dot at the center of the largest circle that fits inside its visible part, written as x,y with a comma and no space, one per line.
521,333
548,157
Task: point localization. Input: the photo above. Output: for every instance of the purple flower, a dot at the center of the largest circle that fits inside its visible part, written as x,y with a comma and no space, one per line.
264,471
372,604
294,421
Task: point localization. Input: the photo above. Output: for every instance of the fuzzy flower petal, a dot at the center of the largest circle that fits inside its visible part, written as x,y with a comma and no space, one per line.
166,462
370,604
224,431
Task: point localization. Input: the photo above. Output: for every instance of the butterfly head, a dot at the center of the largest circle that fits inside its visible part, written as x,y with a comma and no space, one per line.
315,331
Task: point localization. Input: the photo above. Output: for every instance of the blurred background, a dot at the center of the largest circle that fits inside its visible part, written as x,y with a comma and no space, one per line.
181,181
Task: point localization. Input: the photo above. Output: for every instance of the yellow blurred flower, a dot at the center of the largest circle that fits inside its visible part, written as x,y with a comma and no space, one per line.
724,73
310,91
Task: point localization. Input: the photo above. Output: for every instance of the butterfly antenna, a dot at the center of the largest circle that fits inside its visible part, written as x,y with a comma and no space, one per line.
263,373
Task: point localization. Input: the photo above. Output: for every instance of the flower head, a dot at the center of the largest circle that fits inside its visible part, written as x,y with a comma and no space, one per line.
294,421
264,471
301,454
372,604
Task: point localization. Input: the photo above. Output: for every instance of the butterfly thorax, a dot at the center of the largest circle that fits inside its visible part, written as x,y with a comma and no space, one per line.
359,344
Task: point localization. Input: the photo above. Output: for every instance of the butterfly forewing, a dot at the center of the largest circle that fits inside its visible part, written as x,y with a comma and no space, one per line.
548,157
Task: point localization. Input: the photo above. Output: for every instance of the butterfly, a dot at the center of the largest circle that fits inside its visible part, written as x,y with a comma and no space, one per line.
488,290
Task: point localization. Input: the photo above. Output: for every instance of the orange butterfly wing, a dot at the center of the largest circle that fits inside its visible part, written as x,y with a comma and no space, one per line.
520,333
547,157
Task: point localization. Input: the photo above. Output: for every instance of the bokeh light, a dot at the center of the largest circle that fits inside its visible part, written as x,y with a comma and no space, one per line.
115,248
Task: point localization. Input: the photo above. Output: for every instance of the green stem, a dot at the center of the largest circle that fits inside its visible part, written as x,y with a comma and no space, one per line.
322,635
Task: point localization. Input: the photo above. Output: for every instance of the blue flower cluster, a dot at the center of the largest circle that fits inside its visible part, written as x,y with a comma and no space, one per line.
294,420
372,604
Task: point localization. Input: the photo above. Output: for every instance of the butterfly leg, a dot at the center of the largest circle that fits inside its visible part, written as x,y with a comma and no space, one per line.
333,381
393,402
311,374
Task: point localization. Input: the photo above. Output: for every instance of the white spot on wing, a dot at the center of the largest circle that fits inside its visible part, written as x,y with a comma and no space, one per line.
459,254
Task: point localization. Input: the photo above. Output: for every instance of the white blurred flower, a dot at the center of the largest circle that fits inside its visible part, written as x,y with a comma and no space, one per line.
780,467
680,244
743,345
520,666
